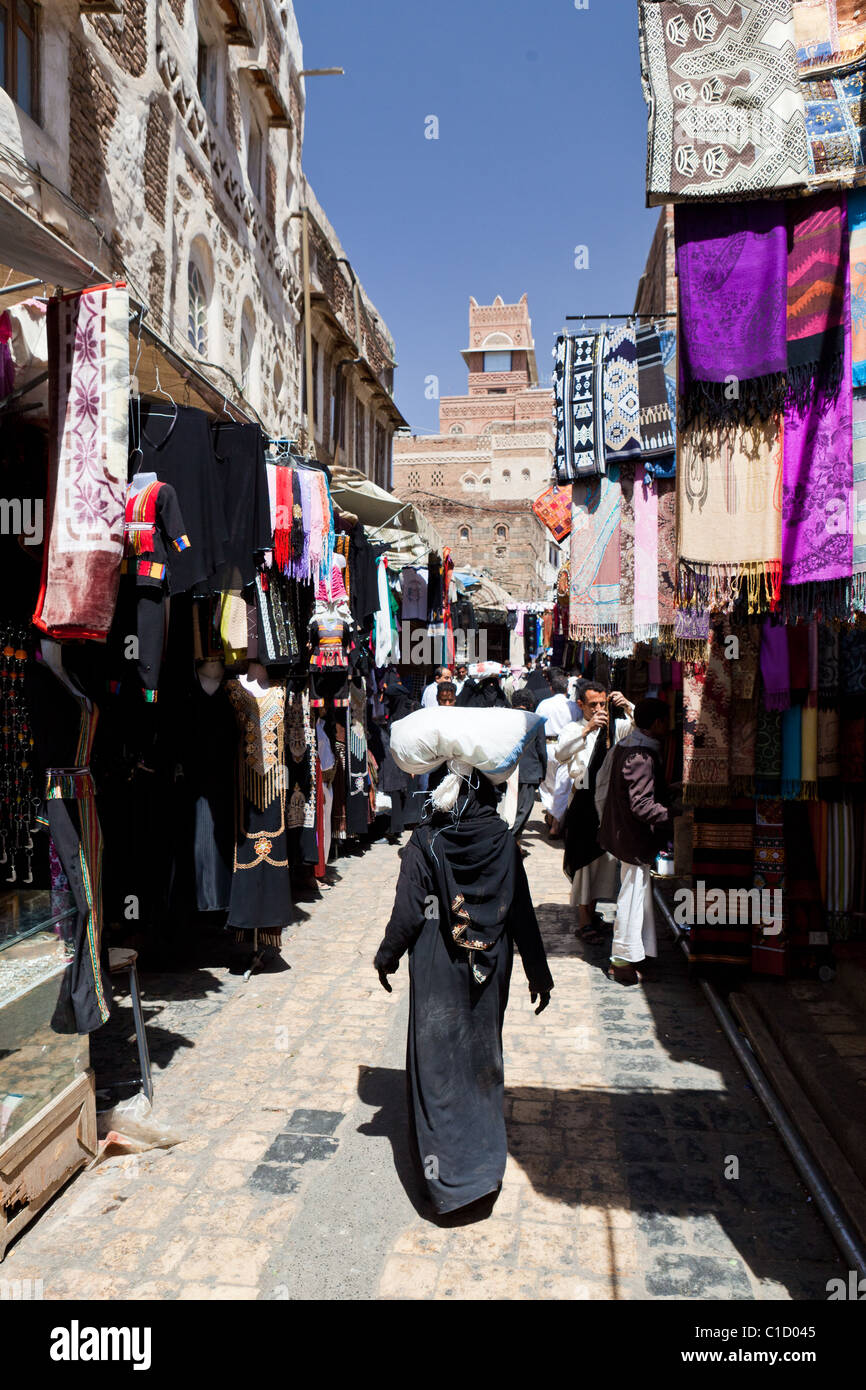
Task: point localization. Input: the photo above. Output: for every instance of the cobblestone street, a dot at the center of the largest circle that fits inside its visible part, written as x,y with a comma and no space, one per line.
625,1107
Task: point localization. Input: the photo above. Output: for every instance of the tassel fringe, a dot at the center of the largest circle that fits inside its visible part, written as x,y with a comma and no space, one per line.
757,399
719,588
695,794
812,382
830,599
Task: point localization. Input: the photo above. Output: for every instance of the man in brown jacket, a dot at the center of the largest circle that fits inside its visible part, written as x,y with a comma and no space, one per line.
633,805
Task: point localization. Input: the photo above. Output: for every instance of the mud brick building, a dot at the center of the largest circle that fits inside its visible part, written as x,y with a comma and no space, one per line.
163,139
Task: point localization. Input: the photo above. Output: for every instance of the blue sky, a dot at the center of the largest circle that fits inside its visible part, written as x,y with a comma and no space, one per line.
542,147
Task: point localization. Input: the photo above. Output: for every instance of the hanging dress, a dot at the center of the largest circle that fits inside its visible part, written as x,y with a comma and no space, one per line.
261,886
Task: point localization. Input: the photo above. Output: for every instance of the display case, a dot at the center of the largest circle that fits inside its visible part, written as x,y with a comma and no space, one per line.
47,1097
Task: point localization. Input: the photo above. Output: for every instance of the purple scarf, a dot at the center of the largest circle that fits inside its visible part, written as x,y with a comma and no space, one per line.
775,666
732,261
818,496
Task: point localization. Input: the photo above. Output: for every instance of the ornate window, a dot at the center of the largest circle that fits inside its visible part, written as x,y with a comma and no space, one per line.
526,475
437,477
198,306
456,429
18,58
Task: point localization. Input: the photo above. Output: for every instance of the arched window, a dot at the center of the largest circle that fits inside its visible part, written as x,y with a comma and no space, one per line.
198,307
485,481
464,533
469,482
456,429
506,475
525,475
501,533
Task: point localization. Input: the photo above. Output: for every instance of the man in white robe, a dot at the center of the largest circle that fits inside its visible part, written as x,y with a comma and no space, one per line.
557,711
597,879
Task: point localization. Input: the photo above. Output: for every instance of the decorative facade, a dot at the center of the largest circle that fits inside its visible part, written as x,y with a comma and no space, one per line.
163,140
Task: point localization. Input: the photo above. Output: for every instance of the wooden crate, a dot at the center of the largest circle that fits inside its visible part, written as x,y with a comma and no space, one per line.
42,1156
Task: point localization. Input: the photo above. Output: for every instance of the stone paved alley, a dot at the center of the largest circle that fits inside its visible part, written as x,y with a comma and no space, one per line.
294,1180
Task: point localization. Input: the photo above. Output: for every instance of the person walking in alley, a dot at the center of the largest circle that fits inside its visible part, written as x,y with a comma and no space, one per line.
532,767
557,711
582,747
633,805
461,904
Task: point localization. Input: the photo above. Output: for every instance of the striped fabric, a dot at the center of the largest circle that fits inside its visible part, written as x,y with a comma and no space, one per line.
859,430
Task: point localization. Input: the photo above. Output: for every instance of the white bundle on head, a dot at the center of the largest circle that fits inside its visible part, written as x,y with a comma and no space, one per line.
486,740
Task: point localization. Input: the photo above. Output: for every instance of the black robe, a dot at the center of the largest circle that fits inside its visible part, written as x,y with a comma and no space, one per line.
454,1057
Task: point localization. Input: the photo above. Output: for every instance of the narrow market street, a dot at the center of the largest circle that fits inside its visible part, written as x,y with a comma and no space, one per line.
626,1108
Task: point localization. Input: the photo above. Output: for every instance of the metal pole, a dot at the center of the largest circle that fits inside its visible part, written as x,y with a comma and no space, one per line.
308,327
812,1176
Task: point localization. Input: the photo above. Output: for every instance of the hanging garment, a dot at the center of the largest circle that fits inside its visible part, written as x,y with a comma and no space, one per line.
177,445
327,767
64,727
656,421
89,431
858,520
646,557
792,752
856,215
261,885
595,560
768,753
459,968
729,536
208,750
153,533
707,698
7,366
239,451
387,648
732,262
726,114
579,406
277,601
414,595
625,616
667,331
818,314
621,400
667,494
358,777
775,666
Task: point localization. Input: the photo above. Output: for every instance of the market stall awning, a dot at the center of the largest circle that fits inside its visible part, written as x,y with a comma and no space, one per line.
35,252
376,508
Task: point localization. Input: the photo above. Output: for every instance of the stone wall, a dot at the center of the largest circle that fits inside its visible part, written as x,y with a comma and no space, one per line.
518,562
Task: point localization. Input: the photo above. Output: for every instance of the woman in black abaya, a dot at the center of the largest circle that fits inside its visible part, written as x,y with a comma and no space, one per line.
462,902
405,792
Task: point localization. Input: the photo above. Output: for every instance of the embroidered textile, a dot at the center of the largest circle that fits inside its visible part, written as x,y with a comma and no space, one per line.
579,406
625,618
88,348
667,557
656,421
817,296
726,114
768,753
553,507
646,557
621,399
729,518
706,727
836,122
827,28
818,482
595,560
858,518
732,261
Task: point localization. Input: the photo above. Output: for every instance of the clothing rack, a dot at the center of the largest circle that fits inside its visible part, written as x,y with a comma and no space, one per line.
662,314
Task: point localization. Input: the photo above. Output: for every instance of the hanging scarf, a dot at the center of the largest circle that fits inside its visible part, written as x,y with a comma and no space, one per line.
745,657
620,391
88,351
656,425
594,568
317,525
667,550
707,728
841,853
792,752
579,406
775,666
744,719
729,519
625,619
828,666
817,297
668,345
768,753
829,761
809,753
798,662
858,583
827,30
817,497
726,116
852,671
857,272
732,261
646,557
692,633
